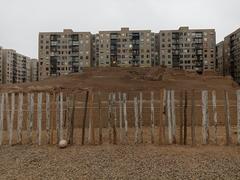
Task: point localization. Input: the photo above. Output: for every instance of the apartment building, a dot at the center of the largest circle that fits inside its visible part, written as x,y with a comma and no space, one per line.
156,50
231,55
95,50
1,64
220,64
188,49
15,67
124,48
63,52
33,64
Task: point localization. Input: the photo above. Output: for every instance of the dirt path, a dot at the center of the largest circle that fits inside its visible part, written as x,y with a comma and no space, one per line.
123,162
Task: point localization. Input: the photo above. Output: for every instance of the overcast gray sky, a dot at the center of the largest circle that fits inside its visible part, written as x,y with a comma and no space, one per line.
21,20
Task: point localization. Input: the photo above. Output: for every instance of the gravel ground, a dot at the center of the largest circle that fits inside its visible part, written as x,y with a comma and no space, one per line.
120,162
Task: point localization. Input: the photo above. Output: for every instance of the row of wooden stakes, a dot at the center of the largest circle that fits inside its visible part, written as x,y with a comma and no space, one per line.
167,123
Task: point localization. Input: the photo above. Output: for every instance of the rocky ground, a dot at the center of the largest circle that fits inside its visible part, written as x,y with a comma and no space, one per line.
120,162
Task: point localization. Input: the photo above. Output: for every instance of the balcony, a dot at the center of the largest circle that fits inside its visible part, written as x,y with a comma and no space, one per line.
54,43
75,43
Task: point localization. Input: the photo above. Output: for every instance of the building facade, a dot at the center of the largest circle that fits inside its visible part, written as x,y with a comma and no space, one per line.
15,67
231,55
63,52
1,64
67,52
124,48
34,66
220,64
188,49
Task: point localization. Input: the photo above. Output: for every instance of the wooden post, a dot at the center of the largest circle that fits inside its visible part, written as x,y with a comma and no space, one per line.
161,110
72,119
48,125
8,114
109,118
30,116
1,118
214,115
39,131
120,117
115,119
61,116
193,118
53,107
136,119
164,115
141,117
70,124
125,116
152,118
205,116
185,118
12,118
227,119
68,117
28,119
181,117
20,118
238,117
91,138
100,118
58,117
169,118
65,116
85,117
173,116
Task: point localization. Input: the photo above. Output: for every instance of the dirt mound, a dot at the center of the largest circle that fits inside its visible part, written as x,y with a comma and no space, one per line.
128,79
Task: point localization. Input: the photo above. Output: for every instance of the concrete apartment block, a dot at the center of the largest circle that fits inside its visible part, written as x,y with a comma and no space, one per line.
34,64
188,49
9,59
231,55
15,67
1,65
124,48
156,50
220,64
63,52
